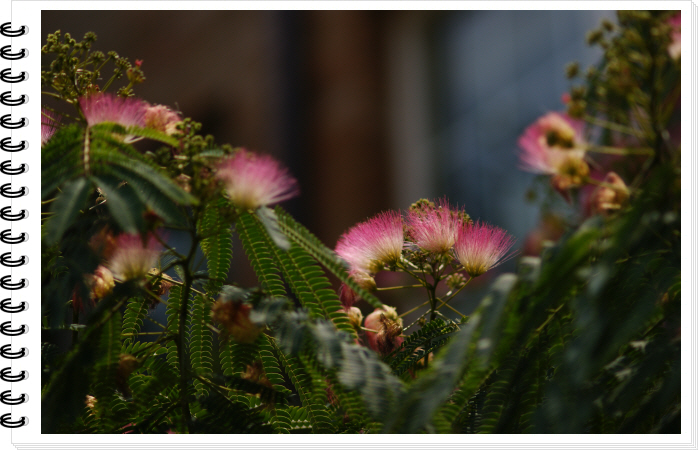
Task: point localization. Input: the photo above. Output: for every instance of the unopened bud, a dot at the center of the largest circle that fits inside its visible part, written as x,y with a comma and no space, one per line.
455,281
90,402
606,199
383,324
355,316
388,338
101,283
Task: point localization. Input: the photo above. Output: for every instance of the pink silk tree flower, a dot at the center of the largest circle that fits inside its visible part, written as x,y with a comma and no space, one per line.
49,124
133,258
370,245
253,180
161,118
480,247
675,44
434,228
553,145
104,107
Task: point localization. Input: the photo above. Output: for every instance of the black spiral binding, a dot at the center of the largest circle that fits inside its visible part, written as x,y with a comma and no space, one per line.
7,146
11,191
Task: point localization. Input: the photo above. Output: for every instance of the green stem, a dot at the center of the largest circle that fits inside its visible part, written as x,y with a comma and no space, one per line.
182,354
612,126
414,309
620,151
143,333
86,152
391,288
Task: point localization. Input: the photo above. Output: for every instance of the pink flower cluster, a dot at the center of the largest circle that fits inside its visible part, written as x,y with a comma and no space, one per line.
253,180
438,229
98,108
49,124
370,245
106,107
133,257
480,247
434,229
554,145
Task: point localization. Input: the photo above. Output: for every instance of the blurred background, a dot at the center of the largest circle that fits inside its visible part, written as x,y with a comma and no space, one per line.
370,110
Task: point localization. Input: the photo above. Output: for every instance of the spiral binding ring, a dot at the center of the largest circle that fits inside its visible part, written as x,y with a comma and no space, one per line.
6,214
7,169
5,122
6,283
6,53
6,375
7,100
8,147
5,191
7,353
7,331
5,421
5,30
7,307
7,262
6,399
7,77
7,238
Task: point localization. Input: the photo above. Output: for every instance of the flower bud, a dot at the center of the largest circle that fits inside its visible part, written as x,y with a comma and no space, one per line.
455,281
388,338
386,327
101,283
91,403
606,199
355,316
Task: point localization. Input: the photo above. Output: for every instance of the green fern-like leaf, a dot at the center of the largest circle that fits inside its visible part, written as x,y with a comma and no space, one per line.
431,336
258,252
66,208
234,358
307,281
61,159
136,310
200,341
174,304
325,256
308,391
216,244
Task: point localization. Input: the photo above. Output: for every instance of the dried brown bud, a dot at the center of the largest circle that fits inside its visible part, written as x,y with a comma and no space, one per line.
127,364
255,372
103,243
235,317
384,327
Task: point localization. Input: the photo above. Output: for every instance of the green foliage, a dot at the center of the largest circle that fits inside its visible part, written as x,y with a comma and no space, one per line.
301,236
583,339
216,243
